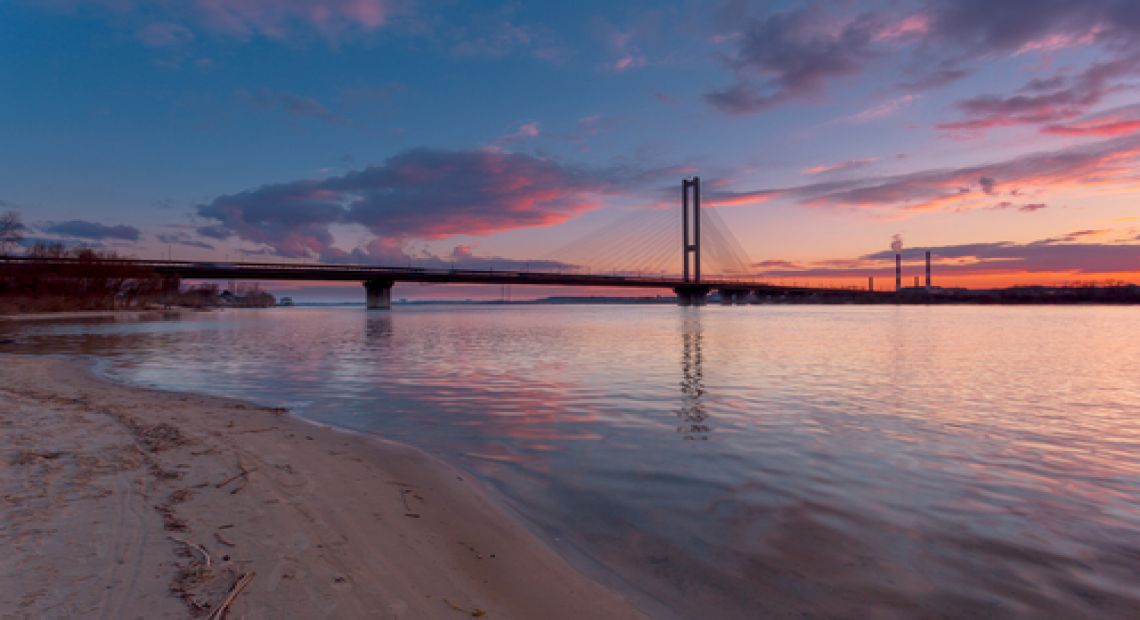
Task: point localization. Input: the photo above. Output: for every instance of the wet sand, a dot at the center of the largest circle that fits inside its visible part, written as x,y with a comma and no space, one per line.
124,502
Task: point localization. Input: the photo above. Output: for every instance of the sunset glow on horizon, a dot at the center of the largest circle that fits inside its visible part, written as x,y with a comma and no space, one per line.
1004,138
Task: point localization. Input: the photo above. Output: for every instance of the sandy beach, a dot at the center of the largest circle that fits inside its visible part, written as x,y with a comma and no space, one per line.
124,502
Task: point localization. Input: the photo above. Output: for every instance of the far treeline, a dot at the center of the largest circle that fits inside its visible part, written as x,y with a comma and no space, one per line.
91,279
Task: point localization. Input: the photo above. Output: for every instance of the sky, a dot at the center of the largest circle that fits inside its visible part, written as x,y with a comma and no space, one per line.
1004,137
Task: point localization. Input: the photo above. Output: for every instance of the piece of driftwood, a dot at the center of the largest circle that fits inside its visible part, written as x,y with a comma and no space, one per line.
474,613
199,548
241,474
220,611
404,497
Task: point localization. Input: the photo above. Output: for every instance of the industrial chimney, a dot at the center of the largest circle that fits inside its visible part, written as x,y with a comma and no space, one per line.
928,270
897,246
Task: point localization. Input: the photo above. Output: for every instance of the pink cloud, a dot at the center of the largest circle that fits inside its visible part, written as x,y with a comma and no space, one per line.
524,132
169,21
1117,128
277,18
422,194
629,61
1061,40
843,165
909,26
1116,122
737,199
882,110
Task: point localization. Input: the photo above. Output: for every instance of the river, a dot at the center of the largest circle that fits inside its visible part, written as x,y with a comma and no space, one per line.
732,462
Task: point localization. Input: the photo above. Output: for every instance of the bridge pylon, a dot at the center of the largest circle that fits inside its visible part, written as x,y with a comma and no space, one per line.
691,229
692,293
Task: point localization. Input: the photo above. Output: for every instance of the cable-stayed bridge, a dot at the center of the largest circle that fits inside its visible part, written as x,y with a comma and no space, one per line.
641,251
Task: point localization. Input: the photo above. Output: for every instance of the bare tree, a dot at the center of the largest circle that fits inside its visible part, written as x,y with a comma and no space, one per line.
11,231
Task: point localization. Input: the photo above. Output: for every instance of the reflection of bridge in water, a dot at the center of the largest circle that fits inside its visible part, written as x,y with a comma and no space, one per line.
692,413
691,286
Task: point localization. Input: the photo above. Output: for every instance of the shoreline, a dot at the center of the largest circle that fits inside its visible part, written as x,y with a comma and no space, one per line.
117,315
158,504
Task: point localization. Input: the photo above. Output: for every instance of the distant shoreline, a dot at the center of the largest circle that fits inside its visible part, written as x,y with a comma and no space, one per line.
81,315
1123,295
1014,296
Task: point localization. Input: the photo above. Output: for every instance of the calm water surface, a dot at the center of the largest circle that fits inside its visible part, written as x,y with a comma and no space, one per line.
739,461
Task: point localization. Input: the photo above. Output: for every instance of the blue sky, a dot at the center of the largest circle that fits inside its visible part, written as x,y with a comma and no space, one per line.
363,130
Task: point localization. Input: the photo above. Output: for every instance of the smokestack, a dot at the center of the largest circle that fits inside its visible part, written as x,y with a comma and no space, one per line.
916,282
898,272
870,283
928,270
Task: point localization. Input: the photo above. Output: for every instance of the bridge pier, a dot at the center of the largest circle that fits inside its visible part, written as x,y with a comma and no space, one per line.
692,295
379,294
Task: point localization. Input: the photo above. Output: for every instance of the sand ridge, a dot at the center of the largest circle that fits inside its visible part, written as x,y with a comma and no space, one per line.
125,502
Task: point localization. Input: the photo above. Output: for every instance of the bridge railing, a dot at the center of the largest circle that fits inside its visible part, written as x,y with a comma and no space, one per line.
250,270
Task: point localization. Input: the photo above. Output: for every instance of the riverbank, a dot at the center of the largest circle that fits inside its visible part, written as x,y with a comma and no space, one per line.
85,315
124,502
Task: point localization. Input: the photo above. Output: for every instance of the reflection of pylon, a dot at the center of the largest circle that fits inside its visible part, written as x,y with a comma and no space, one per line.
692,412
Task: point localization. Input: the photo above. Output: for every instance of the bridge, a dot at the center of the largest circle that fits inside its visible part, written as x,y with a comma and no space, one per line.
691,287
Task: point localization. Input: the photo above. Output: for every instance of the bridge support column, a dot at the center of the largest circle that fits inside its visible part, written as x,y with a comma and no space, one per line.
691,295
379,294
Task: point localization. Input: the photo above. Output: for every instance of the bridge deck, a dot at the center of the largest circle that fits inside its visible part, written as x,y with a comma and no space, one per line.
364,273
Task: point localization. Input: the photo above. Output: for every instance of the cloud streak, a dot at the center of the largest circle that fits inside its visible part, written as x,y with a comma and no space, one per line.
1063,254
850,164
244,19
1046,101
1105,164
181,238
1116,122
289,103
82,229
882,110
